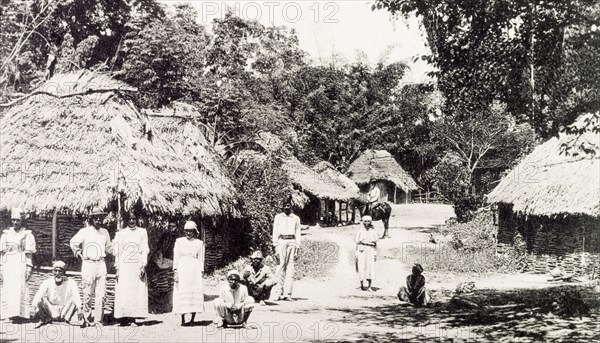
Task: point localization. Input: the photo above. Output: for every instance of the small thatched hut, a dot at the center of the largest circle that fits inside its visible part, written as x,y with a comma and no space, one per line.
552,200
79,141
380,168
328,190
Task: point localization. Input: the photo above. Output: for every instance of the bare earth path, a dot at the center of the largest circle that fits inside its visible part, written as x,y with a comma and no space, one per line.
333,309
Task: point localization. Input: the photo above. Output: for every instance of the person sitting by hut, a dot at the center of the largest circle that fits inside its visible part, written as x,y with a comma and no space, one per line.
188,268
58,298
366,253
258,278
234,305
415,291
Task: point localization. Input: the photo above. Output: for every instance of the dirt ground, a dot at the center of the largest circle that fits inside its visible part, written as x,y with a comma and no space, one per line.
334,309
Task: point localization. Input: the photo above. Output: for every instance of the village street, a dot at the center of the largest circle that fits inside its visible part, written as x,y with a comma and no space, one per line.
334,309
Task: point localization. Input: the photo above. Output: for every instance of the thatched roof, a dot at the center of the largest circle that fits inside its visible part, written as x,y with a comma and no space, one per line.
547,182
340,187
380,165
189,141
322,181
81,142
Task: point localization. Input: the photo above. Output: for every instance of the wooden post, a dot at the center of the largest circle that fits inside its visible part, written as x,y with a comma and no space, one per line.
55,235
395,195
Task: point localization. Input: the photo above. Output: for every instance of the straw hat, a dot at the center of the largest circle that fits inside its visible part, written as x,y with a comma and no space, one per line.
97,211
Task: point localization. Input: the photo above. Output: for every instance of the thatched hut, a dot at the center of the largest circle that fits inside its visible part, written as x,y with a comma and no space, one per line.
552,199
329,191
79,141
380,168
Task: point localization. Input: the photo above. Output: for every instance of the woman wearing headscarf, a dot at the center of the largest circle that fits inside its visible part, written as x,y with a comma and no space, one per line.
188,266
415,291
366,253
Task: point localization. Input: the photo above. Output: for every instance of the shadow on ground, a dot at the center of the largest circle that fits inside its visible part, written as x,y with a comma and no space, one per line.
523,315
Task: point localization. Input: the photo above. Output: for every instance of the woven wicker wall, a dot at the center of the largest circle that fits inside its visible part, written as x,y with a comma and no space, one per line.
569,242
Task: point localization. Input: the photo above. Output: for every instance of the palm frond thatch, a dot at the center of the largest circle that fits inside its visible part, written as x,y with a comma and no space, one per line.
548,182
83,143
380,165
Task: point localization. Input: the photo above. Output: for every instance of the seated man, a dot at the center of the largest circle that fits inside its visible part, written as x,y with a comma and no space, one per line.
415,291
234,305
58,297
258,278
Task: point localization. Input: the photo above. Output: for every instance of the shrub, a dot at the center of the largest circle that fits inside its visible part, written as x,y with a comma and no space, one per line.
465,248
466,206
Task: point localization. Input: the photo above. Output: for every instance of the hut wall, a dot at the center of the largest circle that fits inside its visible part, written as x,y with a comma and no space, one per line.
571,243
386,189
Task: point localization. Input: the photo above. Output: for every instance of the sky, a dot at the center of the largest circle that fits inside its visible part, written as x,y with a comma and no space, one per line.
327,27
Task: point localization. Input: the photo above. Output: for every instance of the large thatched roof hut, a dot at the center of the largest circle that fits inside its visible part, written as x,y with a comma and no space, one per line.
552,199
380,168
80,142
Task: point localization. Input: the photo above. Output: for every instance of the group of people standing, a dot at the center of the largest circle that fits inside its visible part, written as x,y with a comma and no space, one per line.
58,297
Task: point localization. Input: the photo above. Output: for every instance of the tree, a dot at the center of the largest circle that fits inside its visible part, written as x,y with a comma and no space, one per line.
475,137
515,51
32,34
165,58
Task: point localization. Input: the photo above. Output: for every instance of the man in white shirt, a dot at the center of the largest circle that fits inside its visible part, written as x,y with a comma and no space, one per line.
58,297
372,198
91,244
234,305
286,241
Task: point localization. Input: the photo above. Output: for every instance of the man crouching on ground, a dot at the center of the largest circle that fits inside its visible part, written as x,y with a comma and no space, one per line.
234,305
258,278
58,297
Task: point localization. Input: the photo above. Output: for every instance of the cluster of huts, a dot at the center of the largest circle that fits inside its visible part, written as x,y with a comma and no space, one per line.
81,141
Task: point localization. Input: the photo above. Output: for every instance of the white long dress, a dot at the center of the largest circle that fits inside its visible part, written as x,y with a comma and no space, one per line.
14,294
188,259
131,254
366,254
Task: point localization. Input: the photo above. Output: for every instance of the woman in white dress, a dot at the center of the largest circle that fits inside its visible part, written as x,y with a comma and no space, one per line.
366,253
131,256
16,248
188,266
